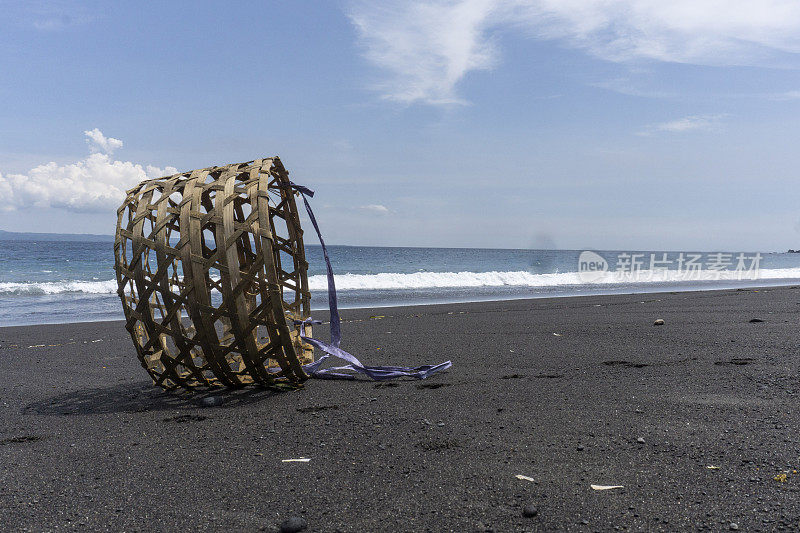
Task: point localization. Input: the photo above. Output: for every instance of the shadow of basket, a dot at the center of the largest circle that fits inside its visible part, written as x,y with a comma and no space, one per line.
141,397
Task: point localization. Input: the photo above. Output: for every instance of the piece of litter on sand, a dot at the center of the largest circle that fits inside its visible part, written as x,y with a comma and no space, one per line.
558,334
606,487
712,467
523,478
299,460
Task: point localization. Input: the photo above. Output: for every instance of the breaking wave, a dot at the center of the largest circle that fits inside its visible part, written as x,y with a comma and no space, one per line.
432,280
59,287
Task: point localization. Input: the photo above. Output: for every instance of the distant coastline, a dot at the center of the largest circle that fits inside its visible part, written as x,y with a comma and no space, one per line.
54,237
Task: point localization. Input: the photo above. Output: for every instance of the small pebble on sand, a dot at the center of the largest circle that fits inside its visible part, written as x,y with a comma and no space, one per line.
659,322
211,401
293,525
529,511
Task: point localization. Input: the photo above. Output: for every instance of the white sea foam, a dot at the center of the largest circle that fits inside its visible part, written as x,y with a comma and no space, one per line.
433,280
59,287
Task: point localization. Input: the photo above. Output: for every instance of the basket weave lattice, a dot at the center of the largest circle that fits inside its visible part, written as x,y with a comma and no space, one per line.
211,271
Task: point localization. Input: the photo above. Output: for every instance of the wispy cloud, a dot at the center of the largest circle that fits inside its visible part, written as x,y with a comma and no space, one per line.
788,95
375,208
690,123
55,15
426,48
628,87
706,32
95,183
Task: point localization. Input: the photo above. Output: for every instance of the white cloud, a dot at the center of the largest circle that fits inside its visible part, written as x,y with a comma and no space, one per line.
375,208
100,143
686,123
52,23
426,48
707,32
54,15
629,87
788,95
690,123
96,183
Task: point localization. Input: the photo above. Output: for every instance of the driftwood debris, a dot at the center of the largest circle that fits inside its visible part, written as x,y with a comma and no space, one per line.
212,273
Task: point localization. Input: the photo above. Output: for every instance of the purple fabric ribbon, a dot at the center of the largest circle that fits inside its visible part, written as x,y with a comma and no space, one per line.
378,373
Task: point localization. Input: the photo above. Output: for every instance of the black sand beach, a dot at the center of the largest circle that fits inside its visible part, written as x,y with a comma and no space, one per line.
697,419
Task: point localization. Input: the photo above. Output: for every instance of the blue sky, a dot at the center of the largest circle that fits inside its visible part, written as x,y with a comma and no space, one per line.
511,123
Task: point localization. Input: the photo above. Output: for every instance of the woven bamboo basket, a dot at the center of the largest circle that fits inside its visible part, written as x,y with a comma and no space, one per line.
211,271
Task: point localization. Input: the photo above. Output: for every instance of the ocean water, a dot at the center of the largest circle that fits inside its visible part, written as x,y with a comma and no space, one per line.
54,282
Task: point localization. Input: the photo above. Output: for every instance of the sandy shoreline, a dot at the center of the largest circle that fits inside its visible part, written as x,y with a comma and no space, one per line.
558,390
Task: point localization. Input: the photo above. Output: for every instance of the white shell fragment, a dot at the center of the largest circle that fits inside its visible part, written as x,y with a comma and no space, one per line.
606,487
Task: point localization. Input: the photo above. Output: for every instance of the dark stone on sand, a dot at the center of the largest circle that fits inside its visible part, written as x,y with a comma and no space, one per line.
529,511
579,448
293,525
756,320
211,401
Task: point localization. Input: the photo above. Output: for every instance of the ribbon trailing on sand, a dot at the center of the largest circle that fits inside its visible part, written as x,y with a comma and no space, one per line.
378,373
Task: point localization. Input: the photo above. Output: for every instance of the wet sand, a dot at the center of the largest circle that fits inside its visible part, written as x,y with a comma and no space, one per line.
695,419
